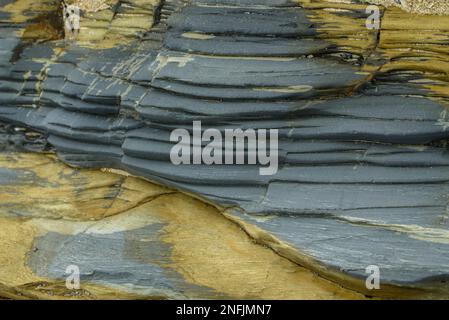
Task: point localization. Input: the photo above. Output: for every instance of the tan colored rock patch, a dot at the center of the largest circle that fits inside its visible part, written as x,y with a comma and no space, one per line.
91,5
440,7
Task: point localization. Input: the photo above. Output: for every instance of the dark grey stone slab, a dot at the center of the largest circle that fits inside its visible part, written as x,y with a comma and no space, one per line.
251,77
244,45
251,21
402,258
267,3
131,259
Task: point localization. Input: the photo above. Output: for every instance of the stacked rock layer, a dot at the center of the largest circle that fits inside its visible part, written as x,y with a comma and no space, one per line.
363,168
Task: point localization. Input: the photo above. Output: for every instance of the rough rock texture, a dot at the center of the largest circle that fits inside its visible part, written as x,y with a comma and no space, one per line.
362,118
417,6
130,239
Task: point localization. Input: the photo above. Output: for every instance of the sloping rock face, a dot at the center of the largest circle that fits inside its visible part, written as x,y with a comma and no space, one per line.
363,168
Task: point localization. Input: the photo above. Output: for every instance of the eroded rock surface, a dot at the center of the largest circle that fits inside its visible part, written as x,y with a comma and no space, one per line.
130,239
362,119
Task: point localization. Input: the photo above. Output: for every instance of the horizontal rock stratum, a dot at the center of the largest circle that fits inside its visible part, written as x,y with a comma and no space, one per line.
361,115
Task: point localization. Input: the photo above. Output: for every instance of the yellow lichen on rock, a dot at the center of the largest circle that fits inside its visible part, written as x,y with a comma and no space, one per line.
24,10
69,194
16,240
405,42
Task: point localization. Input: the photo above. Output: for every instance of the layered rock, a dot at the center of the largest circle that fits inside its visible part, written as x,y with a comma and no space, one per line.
363,176
129,239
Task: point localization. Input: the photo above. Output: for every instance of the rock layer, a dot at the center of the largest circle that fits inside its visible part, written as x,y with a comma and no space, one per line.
363,165
130,239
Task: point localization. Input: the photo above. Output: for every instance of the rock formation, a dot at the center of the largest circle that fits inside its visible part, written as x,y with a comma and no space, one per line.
361,114
417,6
